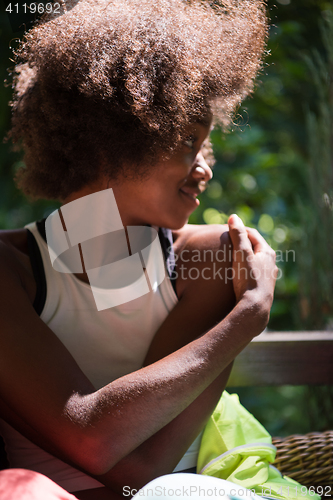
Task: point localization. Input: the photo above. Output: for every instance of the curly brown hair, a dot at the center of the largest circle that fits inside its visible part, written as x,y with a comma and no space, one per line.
109,86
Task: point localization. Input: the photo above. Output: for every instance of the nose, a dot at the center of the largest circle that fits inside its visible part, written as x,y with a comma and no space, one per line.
200,170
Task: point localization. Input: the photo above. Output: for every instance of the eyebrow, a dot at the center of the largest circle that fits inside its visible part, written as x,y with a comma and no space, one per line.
206,120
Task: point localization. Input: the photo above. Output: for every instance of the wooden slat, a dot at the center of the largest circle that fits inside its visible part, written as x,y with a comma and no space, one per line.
282,358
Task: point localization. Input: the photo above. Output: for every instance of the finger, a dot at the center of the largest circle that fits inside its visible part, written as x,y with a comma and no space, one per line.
238,235
258,242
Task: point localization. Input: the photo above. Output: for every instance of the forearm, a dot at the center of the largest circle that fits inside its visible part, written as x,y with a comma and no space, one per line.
126,413
161,452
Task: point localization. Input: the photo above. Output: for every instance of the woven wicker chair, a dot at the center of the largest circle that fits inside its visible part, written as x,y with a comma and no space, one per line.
307,459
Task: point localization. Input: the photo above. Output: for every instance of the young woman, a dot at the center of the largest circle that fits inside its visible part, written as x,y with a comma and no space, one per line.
118,98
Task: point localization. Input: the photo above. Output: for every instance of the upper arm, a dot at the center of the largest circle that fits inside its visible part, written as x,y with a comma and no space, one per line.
204,287
37,373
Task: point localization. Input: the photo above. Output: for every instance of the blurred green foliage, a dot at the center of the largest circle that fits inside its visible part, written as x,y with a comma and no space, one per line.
274,169
266,167
289,409
316,247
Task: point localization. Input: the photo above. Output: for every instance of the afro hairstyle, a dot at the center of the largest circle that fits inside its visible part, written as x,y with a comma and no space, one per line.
109,86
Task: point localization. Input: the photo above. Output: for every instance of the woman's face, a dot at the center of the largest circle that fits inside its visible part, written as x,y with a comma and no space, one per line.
169,196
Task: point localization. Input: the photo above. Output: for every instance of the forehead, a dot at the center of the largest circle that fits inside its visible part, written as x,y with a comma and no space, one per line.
200,129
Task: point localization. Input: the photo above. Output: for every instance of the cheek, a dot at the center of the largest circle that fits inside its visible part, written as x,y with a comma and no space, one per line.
188,160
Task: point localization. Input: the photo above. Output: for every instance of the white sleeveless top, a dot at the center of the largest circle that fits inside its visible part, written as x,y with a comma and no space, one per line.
106,344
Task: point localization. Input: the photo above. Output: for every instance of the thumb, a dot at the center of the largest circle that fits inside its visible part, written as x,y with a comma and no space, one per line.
238,234
234,220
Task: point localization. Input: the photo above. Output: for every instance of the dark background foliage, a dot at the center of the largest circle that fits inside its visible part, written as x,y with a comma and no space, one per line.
274,169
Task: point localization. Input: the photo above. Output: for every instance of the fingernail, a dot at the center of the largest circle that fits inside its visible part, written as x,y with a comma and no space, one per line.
236,218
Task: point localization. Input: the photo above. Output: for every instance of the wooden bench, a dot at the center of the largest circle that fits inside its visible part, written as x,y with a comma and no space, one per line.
285,358
293,358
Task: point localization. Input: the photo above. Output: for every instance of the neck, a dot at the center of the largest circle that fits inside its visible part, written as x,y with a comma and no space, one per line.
127,216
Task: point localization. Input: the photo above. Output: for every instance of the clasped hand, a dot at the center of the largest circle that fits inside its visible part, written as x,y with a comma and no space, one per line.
254,271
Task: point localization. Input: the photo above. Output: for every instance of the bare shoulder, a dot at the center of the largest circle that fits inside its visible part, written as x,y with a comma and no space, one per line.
203,244
203,264
202,237
9,254
15,262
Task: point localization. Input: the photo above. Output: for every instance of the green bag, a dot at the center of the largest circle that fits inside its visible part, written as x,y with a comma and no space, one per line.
237,448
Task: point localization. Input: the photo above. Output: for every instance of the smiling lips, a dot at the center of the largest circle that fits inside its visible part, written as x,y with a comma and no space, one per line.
191,193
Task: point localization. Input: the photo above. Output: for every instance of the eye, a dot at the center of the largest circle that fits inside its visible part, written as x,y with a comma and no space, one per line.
190,141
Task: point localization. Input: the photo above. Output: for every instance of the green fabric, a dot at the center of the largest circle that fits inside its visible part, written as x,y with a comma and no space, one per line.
237,448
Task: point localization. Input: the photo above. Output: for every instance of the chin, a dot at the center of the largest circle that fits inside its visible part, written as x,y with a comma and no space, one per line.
171,219
176,223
